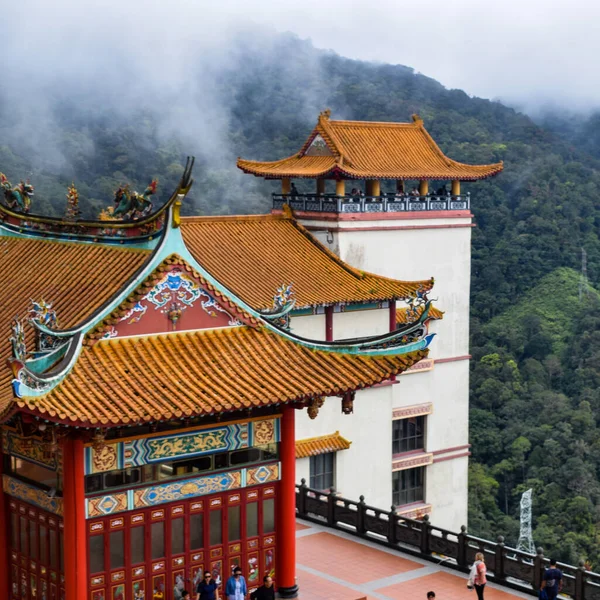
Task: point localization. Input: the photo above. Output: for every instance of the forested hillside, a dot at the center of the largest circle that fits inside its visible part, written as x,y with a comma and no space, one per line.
535,344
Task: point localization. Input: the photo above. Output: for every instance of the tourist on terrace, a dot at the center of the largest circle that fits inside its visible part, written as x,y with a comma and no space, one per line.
207,589
266,591
430,595
415,192
236,588
355,192
442,191
293,190
552,580
477,576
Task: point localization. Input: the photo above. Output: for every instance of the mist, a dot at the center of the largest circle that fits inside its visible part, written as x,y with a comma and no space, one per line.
170,79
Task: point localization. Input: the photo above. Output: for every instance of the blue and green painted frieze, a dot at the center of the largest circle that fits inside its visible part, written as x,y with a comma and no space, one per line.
162,493
174,446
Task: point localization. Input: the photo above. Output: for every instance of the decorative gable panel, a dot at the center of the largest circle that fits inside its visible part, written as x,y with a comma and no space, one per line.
318,147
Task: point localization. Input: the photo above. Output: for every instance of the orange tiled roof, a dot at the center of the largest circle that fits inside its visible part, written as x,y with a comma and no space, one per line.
402,314
321,445
75,278
254,255
155,378
372,150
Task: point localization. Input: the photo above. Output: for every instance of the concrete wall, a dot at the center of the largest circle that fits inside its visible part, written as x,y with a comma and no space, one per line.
365,468
409,249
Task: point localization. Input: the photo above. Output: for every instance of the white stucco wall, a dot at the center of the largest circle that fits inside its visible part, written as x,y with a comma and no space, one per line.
365,468
446,489
345,325
414,249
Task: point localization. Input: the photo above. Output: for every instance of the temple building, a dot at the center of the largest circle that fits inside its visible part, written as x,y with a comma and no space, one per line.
380,204
154,368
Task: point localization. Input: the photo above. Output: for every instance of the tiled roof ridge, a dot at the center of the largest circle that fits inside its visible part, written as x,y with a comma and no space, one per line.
215,218
95,335
322,437
51,239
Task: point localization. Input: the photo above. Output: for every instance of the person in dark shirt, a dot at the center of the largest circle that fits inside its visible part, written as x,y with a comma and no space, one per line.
552,581
207,589
293,190
266,591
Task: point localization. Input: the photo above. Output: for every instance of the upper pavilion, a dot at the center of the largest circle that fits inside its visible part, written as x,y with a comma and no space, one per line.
373,152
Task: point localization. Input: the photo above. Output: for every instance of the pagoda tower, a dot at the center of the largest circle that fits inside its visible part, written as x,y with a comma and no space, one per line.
387,200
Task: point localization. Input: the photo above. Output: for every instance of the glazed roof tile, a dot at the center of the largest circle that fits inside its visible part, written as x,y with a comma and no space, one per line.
76,279
253,256
372,150
321,445
134,380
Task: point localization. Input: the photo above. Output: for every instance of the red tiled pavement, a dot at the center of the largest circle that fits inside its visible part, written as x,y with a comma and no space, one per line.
352,564
446,586
313,587
348,560
300,527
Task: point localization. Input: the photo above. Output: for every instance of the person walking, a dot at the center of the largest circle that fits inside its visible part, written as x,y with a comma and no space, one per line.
477,576
552,580
430,595
266,591
208,588
236,588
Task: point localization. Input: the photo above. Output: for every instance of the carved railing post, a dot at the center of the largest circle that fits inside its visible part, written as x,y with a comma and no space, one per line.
391,536
538,569
425,533
302,498
461,558
499,559
579,592
360,516
331,499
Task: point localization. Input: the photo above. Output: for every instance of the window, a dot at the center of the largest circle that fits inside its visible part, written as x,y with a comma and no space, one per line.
196,531
96,543
157,539
181,468
137,544
34,473
408,434
117,549
322,476
407,486
269,515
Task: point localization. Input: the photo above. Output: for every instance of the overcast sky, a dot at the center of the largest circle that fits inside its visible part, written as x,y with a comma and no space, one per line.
530,52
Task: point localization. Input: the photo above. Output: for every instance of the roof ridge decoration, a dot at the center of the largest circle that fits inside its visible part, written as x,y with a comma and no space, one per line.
16,218
371,150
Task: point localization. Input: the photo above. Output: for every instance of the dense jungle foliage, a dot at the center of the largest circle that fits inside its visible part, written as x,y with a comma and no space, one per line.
535,381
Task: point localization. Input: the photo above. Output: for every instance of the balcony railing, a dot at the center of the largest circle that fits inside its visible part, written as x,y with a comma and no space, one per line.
391,203
507,566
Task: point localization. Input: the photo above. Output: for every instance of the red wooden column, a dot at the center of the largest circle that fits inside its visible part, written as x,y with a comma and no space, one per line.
75,546
286,508
329,323
4,537
393,324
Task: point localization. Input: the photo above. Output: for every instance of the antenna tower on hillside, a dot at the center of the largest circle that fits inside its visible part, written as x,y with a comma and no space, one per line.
525,543
583,279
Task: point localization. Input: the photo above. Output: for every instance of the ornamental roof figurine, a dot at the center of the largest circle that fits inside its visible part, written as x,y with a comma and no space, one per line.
369,150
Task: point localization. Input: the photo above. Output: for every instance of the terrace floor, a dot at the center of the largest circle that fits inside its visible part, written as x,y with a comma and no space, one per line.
333,565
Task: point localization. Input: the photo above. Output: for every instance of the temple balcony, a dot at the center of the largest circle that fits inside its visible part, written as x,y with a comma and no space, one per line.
385,203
